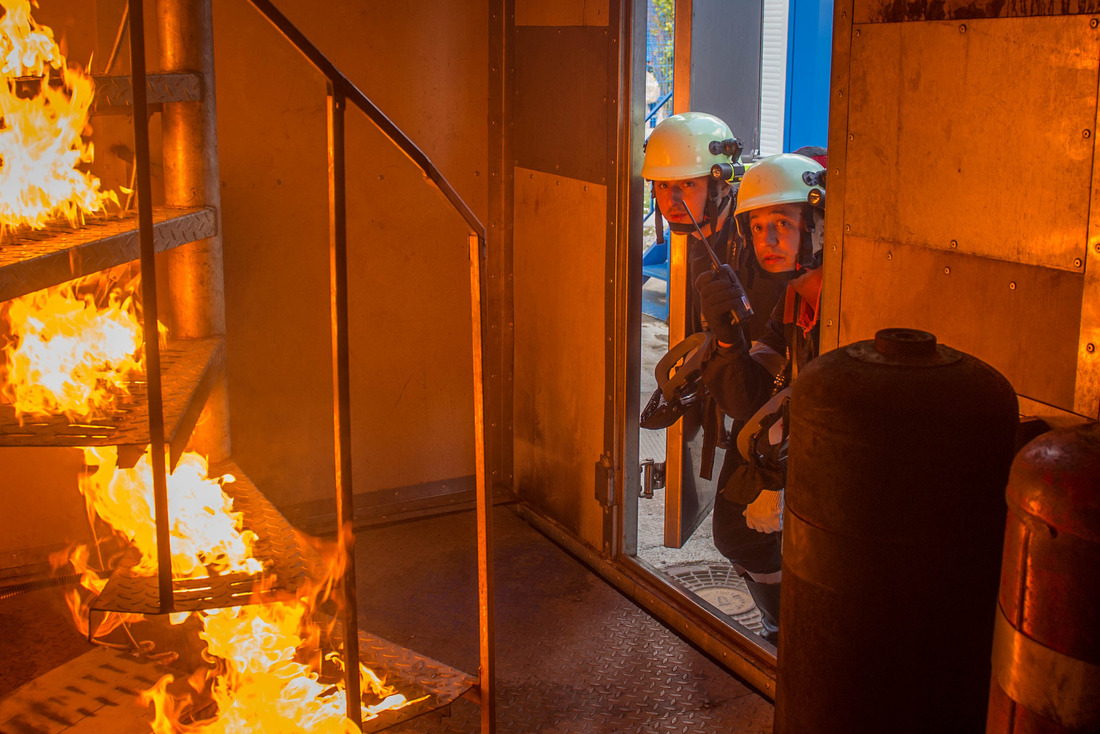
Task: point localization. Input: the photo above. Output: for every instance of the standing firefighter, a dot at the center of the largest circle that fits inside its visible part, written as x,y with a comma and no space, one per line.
780,212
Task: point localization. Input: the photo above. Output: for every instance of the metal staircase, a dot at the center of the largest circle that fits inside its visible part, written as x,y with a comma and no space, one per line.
182,377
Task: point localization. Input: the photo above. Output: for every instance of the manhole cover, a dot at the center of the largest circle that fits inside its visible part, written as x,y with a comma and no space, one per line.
730,601
719,585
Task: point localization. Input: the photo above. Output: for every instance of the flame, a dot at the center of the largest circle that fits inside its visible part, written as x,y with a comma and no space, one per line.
66,354
41,144
266,686
267,669
206,535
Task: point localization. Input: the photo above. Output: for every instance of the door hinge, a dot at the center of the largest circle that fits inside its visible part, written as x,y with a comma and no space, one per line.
605,481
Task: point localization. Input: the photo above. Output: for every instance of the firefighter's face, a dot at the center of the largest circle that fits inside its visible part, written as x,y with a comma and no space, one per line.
675,198
776,236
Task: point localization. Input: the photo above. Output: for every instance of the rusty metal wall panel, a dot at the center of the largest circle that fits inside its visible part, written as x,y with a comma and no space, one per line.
893,11
1023,320
559,407
498,331
409,271
839,96
562,12
940,120
561,104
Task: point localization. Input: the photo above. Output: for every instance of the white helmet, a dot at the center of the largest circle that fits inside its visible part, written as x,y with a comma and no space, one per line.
686,146
787,178
779,179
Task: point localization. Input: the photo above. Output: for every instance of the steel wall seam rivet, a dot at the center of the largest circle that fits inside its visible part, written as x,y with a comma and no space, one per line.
1012,286
1077,262
947,271
1090,348
954,243
1087,133
1094,23
962,28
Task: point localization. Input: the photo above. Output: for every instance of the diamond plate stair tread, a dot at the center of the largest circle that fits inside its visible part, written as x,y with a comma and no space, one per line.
189,369
115,92
31,260
283,553
413,675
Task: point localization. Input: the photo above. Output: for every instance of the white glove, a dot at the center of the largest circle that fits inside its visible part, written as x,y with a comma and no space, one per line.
765,513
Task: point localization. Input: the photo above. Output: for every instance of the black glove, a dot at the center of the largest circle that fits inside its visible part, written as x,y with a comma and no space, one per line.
717,297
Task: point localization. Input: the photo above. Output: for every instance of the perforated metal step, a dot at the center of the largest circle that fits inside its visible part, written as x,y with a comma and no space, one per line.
31,260
288,562
189,370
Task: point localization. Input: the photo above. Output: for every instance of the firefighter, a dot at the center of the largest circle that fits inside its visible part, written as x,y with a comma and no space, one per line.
780,214
679,155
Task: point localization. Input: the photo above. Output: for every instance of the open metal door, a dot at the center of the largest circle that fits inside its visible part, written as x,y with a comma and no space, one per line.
717,70
688,497
559,187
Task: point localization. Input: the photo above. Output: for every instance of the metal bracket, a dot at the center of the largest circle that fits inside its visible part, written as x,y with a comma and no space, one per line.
605,481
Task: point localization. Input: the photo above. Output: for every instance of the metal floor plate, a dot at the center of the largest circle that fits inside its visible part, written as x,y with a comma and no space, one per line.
573,655
189,369
31,260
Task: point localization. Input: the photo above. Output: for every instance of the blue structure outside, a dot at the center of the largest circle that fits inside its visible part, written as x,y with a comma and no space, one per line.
659,45
809,53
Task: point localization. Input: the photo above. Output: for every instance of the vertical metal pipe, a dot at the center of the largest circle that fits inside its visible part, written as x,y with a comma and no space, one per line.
341,404
487,678
149,306
196,294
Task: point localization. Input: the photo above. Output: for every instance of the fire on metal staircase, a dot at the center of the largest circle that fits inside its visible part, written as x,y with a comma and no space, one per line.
180,380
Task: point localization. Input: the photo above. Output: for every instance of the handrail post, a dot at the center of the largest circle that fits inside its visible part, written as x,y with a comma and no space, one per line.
149,307
487,677
341,404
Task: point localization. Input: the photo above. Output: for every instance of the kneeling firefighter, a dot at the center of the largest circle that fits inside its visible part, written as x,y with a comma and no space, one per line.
693,162
780,215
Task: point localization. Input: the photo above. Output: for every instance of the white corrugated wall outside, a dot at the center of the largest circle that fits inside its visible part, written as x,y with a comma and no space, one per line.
773,76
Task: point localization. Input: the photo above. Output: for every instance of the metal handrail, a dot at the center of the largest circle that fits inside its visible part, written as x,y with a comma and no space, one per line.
653,112
341,90
360,100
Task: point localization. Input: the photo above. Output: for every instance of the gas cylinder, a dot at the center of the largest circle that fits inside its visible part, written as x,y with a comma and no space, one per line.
1046,645
899,454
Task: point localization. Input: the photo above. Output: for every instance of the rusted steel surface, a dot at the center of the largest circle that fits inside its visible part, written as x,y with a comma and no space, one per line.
31,260
897,11
1046,661
116,94
190,369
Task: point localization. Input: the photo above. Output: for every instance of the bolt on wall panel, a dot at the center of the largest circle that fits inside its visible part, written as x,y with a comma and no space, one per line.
1020,319
975,137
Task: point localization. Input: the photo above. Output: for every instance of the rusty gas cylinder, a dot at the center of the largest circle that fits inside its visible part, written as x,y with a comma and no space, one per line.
899,455
1046,647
